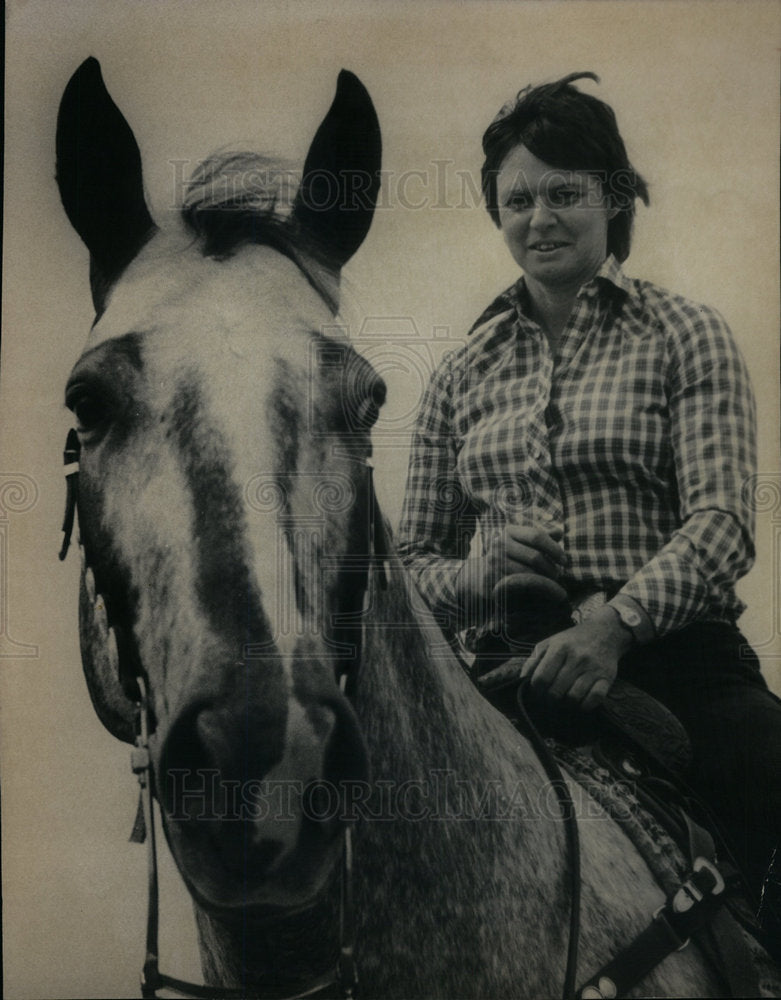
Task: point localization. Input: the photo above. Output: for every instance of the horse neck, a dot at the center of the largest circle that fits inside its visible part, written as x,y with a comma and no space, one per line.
417,705
454,785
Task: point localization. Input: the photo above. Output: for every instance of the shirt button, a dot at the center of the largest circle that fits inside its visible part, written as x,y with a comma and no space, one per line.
536,453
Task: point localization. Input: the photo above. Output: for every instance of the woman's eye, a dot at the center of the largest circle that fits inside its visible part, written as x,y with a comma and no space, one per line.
564,196
520,202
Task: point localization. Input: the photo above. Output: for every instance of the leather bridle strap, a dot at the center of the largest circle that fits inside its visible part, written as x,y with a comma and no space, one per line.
71,459
349,623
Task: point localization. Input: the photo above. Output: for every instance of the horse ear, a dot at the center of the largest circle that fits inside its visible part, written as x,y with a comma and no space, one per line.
341,179
99,176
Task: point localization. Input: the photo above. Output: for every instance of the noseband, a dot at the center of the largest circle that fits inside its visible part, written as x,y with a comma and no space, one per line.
350,625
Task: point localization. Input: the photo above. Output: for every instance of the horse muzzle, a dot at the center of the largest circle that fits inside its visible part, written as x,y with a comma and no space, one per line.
253,807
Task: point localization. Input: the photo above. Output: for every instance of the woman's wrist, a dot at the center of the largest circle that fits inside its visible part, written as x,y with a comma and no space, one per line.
615,631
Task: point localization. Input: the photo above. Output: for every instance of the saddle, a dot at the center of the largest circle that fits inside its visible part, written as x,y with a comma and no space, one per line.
633,756
632,735
628,714
629,717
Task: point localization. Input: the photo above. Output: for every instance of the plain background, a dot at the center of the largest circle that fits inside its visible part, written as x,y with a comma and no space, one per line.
694,85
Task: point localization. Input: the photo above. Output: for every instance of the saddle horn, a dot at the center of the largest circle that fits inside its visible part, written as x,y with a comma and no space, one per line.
100,179
341,178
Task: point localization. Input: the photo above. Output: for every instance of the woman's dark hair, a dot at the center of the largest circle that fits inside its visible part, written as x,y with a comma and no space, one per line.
570,131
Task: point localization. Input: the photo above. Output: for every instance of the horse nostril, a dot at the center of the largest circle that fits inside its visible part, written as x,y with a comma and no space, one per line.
207,762
231,790
188,775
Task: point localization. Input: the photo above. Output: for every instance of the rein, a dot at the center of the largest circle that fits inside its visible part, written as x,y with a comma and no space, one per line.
569,816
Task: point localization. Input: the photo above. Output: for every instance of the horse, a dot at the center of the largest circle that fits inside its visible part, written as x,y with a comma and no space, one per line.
335,792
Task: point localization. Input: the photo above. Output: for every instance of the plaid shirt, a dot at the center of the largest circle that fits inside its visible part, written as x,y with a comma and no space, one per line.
632,444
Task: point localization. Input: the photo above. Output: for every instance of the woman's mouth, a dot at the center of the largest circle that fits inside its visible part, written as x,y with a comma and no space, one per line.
547,247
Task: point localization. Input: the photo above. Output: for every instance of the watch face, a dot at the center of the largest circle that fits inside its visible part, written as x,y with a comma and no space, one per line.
630,617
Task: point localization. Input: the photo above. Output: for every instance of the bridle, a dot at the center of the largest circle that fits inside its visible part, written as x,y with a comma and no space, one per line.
349,635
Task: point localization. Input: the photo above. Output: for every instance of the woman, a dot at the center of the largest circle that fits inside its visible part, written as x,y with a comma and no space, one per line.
590,444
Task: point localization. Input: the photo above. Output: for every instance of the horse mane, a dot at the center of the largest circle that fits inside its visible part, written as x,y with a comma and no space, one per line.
234,198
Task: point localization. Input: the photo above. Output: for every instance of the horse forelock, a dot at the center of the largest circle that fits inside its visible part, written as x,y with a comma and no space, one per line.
234,198
238,186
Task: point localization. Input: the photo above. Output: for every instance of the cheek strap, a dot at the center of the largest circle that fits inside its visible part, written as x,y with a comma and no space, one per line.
71,459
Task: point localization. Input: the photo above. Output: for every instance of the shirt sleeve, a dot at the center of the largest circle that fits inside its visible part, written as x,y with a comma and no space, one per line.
438,520
713,437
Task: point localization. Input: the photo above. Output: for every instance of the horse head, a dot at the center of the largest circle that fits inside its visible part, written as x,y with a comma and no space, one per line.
223,493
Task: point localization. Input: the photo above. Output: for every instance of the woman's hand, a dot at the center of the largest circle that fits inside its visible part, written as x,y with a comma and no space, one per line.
513,551
580,663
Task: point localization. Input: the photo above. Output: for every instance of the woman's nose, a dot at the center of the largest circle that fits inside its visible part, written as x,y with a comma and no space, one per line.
542,215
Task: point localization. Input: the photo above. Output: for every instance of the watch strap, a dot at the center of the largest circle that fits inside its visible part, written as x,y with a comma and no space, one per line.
633,617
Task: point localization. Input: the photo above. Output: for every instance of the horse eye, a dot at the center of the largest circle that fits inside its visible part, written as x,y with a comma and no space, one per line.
90,411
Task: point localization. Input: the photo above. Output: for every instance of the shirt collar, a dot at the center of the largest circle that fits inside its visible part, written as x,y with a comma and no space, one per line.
611,276
609,280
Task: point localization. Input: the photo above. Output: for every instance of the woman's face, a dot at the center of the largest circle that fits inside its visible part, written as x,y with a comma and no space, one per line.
553,221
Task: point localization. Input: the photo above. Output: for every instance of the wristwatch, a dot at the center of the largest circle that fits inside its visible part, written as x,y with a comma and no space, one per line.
631,617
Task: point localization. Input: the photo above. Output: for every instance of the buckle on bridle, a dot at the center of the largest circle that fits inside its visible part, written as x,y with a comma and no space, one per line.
703,884
70,457
705,880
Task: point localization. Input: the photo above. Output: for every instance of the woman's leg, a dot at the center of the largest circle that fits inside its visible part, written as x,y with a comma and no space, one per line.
709,676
